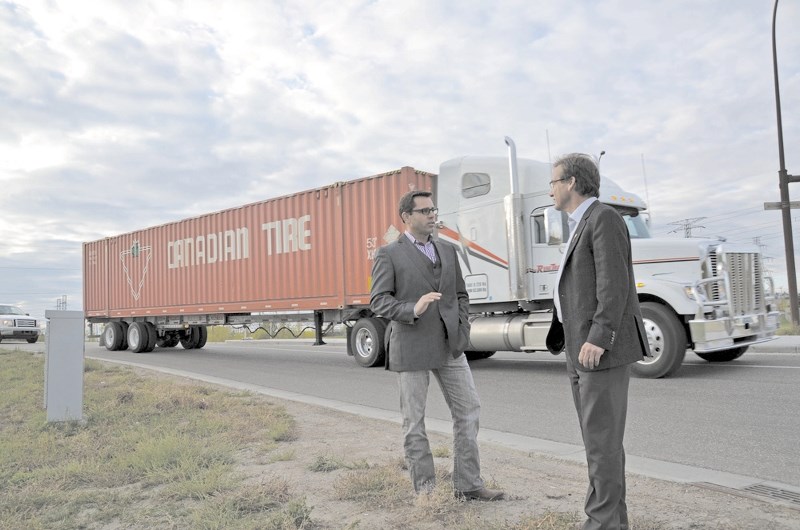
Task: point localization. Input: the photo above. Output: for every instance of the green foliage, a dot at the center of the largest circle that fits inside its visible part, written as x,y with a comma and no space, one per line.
785,326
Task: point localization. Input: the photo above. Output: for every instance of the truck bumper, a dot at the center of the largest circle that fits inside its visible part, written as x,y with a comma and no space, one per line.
733,332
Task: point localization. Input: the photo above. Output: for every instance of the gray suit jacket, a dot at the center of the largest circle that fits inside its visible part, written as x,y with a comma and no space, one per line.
597,293
401,274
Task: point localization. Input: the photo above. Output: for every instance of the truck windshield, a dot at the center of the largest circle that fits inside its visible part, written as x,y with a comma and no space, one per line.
637,227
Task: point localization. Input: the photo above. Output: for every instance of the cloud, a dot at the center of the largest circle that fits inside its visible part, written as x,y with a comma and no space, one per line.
119,116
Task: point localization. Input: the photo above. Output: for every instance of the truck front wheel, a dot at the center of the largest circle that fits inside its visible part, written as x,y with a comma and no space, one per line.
367,341
723,356
667,340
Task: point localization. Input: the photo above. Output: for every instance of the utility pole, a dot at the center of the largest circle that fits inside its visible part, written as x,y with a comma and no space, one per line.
686,225
783,183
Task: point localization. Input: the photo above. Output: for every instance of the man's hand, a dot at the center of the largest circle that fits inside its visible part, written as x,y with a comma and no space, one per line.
590,355
425,300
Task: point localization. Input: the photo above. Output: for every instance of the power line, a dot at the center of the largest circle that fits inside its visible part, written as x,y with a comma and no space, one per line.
688,225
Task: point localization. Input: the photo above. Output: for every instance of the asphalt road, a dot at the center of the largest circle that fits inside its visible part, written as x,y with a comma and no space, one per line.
739,417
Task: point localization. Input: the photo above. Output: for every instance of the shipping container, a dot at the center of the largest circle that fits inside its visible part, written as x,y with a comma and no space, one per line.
307,252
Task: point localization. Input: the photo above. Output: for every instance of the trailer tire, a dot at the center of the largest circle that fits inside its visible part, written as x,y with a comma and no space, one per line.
367,343
667,340
723,356
478,355
203,337
152,336
138,337
191,338
112,336
124,325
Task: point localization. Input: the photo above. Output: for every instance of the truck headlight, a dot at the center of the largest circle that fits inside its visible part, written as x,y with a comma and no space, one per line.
687,290
8,323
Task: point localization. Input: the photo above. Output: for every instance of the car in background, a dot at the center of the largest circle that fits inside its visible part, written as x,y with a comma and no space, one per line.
17,324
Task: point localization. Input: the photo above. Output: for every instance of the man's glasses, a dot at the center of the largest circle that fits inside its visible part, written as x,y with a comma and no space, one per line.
425,211
552,182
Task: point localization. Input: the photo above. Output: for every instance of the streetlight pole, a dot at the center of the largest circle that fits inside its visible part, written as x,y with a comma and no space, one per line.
783,182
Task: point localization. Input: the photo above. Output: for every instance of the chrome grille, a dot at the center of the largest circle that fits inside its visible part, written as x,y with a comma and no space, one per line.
25,323
714,294
745,281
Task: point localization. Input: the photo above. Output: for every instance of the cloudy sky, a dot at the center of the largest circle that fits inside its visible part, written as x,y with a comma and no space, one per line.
118,115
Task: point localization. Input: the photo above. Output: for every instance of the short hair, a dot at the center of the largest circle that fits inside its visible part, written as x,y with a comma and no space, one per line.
407,200
584,168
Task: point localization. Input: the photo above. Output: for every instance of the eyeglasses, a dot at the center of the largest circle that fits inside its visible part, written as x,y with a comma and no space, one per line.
558,180
425,211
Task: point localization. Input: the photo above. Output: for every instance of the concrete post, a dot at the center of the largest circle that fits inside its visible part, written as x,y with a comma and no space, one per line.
63,367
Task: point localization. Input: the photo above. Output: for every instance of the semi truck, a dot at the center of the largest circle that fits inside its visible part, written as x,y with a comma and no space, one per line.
308,256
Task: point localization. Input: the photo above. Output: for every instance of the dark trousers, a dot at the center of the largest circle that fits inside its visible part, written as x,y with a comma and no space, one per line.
601,400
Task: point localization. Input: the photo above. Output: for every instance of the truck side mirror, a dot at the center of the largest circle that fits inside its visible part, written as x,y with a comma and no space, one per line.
555,225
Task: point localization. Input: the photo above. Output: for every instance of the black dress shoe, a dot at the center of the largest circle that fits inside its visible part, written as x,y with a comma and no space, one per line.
483,494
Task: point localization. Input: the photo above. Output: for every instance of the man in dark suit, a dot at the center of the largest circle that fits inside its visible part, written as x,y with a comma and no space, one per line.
598,321
417,285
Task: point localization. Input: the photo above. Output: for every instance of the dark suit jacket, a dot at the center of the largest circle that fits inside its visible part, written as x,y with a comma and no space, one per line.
401,274
597,293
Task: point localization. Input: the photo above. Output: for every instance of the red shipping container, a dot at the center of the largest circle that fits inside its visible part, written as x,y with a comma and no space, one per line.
309,251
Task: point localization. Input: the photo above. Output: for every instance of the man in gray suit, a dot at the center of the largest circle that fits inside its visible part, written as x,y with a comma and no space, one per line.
417,285
598,321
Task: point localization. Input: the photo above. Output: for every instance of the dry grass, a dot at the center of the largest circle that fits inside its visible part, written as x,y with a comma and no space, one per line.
149,453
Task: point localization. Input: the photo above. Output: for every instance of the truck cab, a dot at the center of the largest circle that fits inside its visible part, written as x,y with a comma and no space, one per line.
706,295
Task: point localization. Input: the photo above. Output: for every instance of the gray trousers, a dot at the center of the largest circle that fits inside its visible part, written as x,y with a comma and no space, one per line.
601,400
458,388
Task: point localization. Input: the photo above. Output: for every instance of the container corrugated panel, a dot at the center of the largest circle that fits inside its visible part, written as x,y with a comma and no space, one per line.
373,220
307,251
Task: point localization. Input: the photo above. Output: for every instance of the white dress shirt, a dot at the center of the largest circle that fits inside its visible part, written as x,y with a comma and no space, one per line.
573,220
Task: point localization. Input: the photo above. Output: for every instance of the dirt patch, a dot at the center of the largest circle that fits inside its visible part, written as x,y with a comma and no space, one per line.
535,484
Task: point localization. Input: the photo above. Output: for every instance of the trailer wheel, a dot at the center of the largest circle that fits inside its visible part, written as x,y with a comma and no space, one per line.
124,325
367,343
478,355
190,338
138,337
112,336
152,336
723,356
667,340
203,337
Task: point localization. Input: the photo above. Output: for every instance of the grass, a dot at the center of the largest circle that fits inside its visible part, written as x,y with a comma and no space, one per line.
149,453
785,326
153,452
